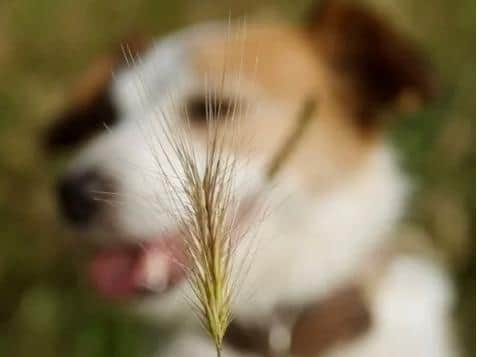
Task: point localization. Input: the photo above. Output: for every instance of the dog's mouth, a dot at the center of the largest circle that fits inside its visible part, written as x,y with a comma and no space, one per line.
148,268
136,270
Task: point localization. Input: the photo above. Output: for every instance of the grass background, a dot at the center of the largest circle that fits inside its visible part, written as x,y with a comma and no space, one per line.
44,310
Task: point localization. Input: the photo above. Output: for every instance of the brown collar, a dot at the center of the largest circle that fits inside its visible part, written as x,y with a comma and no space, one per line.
339,317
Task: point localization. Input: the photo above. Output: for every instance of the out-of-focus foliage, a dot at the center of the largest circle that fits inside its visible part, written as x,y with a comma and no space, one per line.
44,309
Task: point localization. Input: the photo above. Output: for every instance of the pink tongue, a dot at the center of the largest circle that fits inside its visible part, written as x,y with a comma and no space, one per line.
114,273
121,273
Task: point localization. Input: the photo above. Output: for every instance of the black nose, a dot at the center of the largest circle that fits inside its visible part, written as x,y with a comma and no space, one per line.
78,196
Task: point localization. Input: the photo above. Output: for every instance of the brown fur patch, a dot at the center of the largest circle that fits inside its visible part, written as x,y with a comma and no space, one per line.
79,123
380,67
90,106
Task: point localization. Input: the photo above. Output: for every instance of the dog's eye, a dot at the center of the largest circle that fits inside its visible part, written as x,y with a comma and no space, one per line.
201,109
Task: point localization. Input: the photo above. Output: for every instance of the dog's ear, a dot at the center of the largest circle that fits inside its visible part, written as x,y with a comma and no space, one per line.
90,107
381,67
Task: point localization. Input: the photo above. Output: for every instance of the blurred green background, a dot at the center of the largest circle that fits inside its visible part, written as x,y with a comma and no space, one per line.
44,45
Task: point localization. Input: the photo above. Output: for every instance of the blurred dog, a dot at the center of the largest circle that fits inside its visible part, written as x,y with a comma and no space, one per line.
327,278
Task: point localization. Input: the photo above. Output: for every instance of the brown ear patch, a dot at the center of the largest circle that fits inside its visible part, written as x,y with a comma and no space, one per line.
381,67
80,122
90,108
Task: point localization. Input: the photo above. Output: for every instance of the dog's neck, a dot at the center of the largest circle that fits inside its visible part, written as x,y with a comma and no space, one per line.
318,261
311,245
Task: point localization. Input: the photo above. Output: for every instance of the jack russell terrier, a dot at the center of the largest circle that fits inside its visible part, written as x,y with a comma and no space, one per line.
326,277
